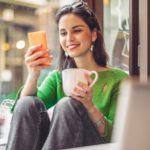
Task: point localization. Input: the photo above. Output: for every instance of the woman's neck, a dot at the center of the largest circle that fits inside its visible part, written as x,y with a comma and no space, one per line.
88,63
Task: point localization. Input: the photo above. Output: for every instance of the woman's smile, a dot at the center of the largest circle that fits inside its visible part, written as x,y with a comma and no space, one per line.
71,47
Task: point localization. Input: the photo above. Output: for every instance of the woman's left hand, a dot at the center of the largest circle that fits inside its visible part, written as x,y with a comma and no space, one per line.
83,93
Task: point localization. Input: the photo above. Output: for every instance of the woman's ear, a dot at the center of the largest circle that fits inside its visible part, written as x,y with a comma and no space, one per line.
94,35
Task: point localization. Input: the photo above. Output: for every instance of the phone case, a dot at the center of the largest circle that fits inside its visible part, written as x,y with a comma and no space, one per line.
39,37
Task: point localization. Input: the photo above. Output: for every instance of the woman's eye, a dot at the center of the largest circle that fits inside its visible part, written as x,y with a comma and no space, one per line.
78,30
62,33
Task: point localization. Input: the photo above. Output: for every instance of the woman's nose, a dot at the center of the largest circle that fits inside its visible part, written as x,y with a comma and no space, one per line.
70,37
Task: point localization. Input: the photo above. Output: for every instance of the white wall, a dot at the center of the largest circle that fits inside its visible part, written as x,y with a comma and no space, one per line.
143,34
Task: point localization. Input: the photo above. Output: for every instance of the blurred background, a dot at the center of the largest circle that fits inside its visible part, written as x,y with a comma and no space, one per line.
18,17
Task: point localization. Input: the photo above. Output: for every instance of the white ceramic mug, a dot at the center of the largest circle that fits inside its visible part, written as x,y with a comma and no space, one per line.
70,78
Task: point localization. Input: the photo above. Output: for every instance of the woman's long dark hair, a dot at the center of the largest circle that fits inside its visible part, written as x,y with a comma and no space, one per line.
85,13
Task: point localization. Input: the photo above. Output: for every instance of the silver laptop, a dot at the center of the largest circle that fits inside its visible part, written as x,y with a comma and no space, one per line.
132,127
132,124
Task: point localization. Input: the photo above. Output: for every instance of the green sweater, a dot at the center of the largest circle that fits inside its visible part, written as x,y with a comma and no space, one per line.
105,93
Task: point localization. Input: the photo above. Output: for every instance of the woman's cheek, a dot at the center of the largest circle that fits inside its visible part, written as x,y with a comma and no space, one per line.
62,43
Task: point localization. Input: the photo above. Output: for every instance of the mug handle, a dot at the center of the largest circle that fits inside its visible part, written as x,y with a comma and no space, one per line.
95,79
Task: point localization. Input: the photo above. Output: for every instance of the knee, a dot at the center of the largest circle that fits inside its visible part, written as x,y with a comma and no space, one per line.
66,105
28,103
63,104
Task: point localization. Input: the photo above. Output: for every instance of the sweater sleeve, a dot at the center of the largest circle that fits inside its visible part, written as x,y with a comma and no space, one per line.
119,76
111,113
47,91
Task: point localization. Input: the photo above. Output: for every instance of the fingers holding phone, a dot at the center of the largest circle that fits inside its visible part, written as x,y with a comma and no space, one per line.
38,55
35,58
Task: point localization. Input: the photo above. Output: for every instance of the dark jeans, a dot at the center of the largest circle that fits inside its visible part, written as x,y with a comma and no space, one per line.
70,126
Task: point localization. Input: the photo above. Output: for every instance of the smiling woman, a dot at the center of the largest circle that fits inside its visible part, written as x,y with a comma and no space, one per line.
86,116
76,37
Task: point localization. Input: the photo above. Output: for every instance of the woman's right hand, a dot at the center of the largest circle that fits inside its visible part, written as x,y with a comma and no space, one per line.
34,60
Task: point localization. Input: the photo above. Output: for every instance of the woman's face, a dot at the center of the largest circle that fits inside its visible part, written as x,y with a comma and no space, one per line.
75,36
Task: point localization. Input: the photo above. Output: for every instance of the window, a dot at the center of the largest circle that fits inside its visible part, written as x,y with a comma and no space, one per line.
116,32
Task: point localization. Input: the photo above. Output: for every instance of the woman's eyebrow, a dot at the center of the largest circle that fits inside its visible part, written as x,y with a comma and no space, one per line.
74,27
78,26
61,30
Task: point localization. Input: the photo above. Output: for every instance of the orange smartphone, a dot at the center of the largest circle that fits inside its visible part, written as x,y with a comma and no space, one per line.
39,37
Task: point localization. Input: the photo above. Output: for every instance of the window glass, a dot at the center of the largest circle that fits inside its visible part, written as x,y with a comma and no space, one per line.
116,32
